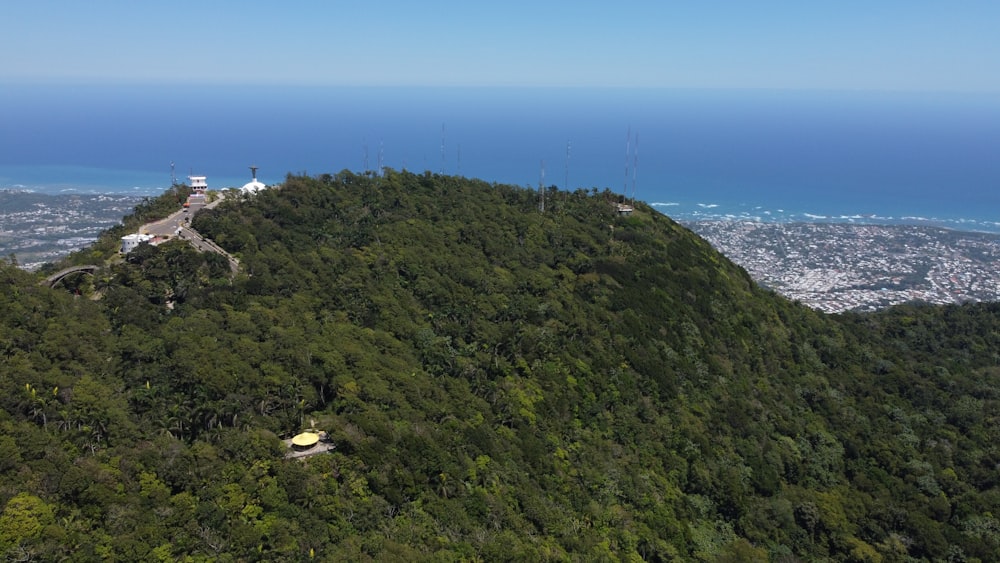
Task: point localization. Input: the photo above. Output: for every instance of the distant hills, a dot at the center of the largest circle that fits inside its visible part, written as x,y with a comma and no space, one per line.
500,384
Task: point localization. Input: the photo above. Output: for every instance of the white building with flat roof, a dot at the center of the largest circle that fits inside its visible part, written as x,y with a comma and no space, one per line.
129,242
198,183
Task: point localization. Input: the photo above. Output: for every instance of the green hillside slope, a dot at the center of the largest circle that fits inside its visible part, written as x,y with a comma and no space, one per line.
500,384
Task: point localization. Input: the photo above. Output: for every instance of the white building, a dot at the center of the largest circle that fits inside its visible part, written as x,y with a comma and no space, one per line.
129,242
198,184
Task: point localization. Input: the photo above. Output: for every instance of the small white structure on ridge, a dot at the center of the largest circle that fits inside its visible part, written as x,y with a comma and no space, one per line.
129,242
253,186
198,184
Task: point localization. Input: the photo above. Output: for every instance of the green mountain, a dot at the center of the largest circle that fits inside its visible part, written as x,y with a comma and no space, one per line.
500,383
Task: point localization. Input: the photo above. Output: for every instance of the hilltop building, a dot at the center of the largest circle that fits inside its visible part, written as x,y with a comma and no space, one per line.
198,184
129,242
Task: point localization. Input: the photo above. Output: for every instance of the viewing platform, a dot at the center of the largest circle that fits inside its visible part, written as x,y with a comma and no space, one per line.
308,443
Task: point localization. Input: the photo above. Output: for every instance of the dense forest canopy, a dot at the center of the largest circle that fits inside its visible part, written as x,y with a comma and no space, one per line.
500,383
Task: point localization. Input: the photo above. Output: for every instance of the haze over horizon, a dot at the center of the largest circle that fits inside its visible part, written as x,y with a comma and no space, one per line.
888,46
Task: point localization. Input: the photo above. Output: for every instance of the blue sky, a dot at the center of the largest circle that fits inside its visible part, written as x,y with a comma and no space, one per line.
920,45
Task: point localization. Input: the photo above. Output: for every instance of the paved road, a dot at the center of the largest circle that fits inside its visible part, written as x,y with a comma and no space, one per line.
203,244
178,224
169,226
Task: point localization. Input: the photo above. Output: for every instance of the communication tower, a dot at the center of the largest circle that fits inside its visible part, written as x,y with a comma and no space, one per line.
635,165
381,158
566,182
631,154
541,189
442,149
628,141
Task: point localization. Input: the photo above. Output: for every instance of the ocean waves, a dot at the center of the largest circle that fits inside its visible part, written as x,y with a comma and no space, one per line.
702,211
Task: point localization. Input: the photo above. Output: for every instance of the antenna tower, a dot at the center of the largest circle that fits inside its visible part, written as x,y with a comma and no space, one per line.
442,149
459,171
566,182
381,158
541,189
635,164
364,151
173,176
628,142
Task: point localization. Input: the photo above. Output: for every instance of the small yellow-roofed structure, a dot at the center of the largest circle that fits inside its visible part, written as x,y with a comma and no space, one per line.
309,442
306,439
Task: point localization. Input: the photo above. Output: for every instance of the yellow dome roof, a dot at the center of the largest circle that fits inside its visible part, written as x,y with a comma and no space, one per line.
305,439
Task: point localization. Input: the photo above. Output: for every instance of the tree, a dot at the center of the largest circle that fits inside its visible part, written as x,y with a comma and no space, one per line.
23,519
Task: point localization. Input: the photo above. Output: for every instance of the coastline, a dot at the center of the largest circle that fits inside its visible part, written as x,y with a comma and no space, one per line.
702,212
834,265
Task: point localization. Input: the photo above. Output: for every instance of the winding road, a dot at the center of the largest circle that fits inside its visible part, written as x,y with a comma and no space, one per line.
177,224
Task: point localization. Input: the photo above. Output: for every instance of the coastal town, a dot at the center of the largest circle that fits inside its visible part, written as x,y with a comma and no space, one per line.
38,228
853,267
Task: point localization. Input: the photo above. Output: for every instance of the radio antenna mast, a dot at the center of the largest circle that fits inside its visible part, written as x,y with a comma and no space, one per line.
635,165
364,152
566,182
173,176
442,149
628,141
381,158
541,189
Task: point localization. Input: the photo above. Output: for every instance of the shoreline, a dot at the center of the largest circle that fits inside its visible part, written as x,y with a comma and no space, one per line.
782,217
682,212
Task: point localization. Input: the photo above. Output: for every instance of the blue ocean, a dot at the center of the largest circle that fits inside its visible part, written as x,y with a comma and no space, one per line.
931,158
